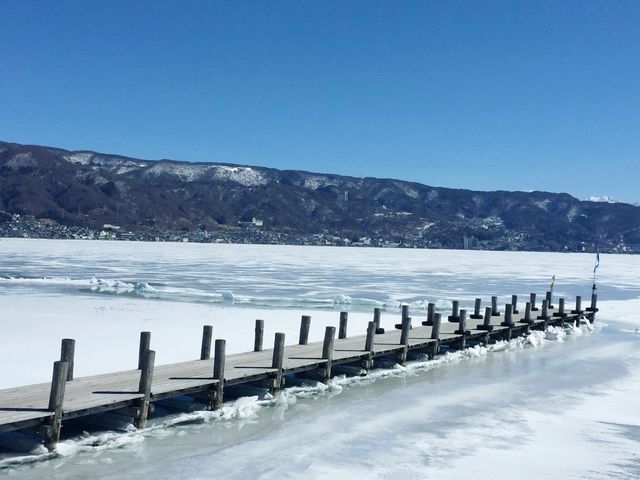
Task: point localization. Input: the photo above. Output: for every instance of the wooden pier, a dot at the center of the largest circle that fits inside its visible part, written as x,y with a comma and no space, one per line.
42,408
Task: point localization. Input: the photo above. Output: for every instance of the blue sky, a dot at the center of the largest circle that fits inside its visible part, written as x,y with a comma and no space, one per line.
479,94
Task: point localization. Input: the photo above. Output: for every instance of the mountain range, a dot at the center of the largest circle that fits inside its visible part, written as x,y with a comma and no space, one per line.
90,189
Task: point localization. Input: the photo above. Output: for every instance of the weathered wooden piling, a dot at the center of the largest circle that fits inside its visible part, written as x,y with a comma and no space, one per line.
377,312
305,324
514,304
508,316
527,314
594,303
486,324
145,342
462,323
455,312
560,313
259,336
344,318
578,309
219,358
549,298
532,300
494,307
431,309
67,352
476,310
545,312
277,361
207,336
435,330
368,345
405,310
56,400
144,387
327,350
404,340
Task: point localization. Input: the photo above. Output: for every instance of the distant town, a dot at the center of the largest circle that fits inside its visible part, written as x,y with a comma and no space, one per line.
26,226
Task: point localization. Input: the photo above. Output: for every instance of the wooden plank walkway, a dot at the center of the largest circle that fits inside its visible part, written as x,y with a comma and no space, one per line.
28,406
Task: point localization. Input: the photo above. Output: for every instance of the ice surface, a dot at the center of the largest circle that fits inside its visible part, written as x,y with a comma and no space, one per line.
558,404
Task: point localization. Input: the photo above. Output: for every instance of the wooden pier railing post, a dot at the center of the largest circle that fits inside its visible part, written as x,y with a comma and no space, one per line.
305,324
486,324
494,307
67,352
476,310
545,313
56,400
462,328
327,351
145,342
259,336
578,308
431,309
368,345
532,300
219,358
594,307
549,298
404,340
455,311
144,387
207,336
560,313
514,304
527,314
405,310
435,335
344,318
376,319
277,361
508,316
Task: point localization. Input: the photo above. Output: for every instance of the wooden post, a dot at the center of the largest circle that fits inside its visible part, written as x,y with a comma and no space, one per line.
514,304
277,361
549,300
494,307
67,352
545,313
435,330
578,308
431,309
344,318
560,313
476,310
404,340
462,326
368,345
532,300
455,311
508,316
594,303
259,335
527,314
486,324
376,317
144,387
327,350
56,400
405,311
219,357
145,341
305,324
205,349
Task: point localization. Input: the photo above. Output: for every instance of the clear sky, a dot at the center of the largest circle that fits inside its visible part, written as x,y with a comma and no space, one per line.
476,94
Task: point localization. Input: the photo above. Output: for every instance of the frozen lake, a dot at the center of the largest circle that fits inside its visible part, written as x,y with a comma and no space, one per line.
559,409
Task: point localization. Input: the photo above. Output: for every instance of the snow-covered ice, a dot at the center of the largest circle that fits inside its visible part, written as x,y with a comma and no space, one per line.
559,404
